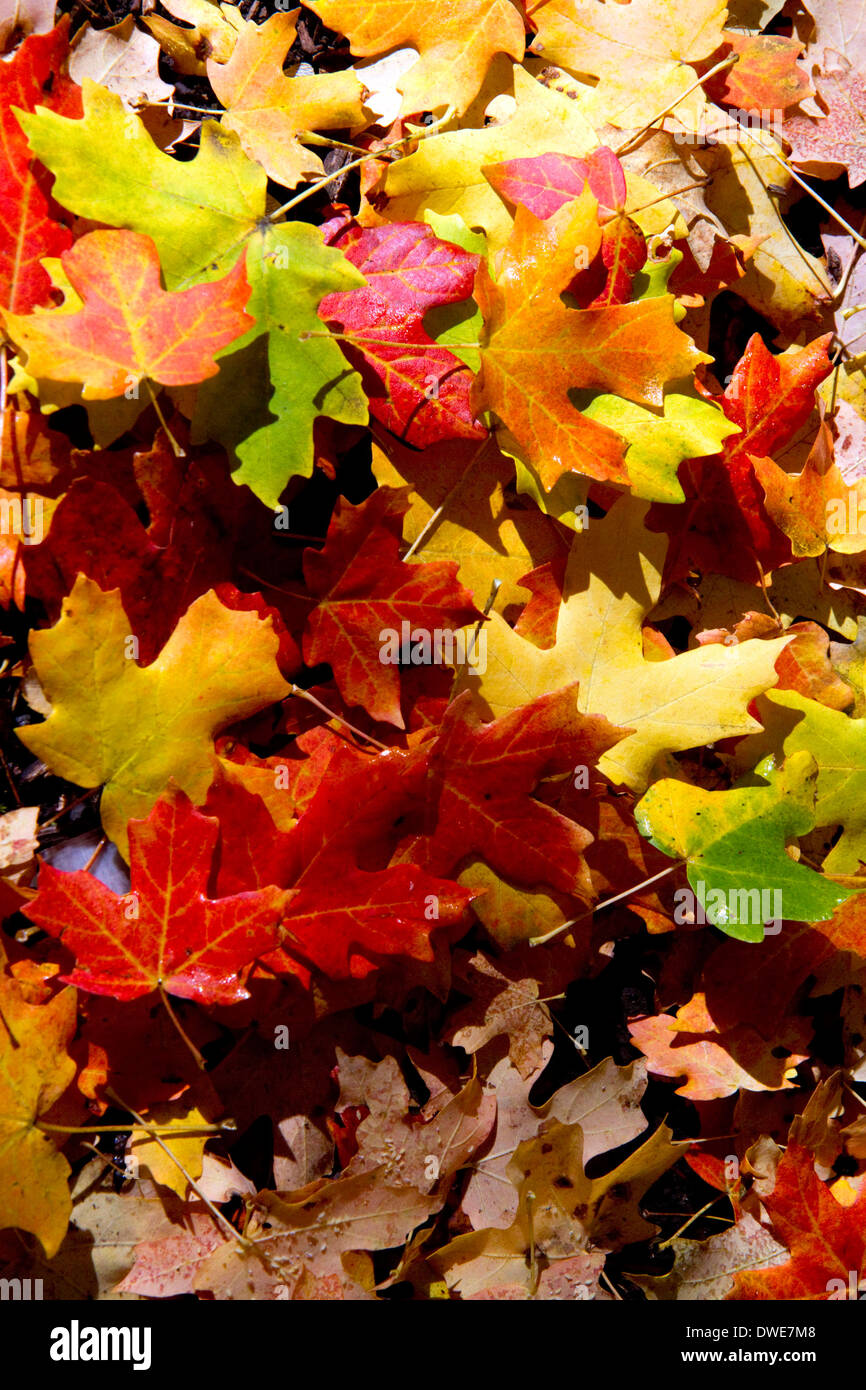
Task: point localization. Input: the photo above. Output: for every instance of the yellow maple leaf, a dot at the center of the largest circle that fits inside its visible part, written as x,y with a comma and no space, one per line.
35,1070
641,51
134,728
456,41
612,581
271,113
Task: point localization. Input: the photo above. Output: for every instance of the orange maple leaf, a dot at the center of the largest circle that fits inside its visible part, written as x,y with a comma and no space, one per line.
128,327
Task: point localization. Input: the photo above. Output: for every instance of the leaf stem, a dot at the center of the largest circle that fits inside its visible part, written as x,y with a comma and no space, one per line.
196,1055
608,902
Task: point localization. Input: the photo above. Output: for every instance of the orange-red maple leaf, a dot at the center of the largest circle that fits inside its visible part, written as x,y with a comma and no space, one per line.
129,327
827,1241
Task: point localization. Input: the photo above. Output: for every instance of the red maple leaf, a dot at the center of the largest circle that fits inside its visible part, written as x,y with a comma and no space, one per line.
29,225
418,390
166,932
827,1241
726,528
365,590
482,779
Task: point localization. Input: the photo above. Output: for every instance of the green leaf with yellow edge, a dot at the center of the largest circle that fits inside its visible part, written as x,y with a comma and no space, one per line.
35,1070
107,168
733,843
612,581
272,385
131,729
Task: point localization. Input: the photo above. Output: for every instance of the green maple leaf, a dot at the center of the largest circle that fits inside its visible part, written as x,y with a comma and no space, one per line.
272,385
838,744
733,843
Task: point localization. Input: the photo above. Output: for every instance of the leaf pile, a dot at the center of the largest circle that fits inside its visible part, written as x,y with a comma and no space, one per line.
433,730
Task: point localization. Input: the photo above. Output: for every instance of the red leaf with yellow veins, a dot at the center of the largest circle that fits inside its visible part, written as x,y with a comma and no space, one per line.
129,327
418,390
30,225
827,1240
483,776
166,932
368,599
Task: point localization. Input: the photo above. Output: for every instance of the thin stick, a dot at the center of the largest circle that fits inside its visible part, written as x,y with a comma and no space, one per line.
609,902
780,159
719,67
70,807
95,855
665,1243
124,1129
149,1129
332,714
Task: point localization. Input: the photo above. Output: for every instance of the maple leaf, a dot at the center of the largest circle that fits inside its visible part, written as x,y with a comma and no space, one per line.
129,328
544,183
166,933
638,52
198,213
418,390
483,775
835,142
613,579
818,509
35,1070
704,1270
766,76
824,1238
456,42
272,113
135,728
535,350
837,742
734,845
770,399
29,224
717,1062
365,591
312,1228
124,59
